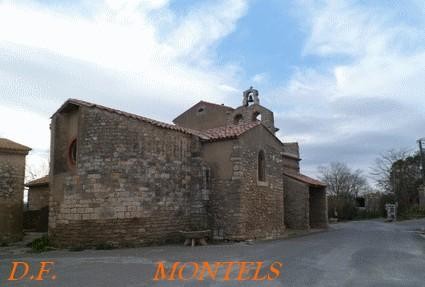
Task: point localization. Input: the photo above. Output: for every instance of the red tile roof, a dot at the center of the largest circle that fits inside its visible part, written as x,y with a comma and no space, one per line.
39,181
133,116
230,131
305,179
6,144
214,134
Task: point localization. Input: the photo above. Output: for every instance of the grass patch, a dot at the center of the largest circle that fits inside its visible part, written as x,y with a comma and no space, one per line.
40,245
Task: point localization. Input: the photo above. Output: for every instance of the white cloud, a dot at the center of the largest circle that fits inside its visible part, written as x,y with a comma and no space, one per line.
131,55
122,37
259,78
24,126
371,84
28,128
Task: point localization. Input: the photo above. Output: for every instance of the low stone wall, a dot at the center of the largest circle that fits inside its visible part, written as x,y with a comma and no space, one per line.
123,232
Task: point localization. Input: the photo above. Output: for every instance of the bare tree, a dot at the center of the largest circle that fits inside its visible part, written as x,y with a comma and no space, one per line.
381,172
34,171
342,181
343,187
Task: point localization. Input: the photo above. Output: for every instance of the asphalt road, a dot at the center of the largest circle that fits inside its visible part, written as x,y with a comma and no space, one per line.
366,253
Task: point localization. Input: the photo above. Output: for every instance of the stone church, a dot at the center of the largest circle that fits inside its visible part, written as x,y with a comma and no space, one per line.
126,180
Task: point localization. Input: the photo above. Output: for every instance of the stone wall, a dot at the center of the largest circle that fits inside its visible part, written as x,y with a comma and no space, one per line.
252,113
291,157
241,207
204,116
38,197
296,204
12,173
318,208
225,201
37,220
133,183
262,202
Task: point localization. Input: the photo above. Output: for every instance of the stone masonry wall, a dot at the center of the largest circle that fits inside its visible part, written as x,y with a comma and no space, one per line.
12,173
204,116
250,113
38,197
296,204
133,183
262,202
318,208
224,207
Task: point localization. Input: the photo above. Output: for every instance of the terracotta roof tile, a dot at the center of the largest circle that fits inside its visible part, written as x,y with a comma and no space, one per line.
305,179
214,134
39,181
230,131
6,144
133,116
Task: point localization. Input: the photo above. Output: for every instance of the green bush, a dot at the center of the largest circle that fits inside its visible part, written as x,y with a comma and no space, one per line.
40,244
345,208
366,214
412,213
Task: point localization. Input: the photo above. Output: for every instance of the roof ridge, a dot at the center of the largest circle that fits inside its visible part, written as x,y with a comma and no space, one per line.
304,178
7,144
229,131
134,116
38,181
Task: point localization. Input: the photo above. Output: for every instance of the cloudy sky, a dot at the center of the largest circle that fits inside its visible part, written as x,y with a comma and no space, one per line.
346,79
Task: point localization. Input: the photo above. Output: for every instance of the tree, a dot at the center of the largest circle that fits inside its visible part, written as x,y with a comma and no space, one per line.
341,181
399,172
343,187
34,170
406,179
382,170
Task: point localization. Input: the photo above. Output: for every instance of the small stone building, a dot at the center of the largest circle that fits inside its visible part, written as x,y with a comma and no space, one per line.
12,174
36,215
125,179
38,193
305,197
